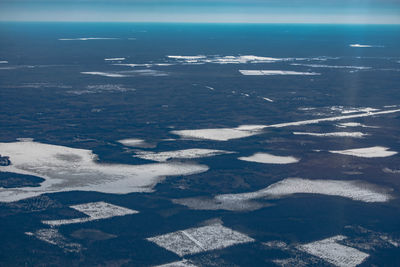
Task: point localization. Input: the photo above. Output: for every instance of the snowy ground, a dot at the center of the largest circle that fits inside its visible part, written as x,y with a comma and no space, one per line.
196,240
68,169
94,211
337,254
354,190
270,159
368,152
192,153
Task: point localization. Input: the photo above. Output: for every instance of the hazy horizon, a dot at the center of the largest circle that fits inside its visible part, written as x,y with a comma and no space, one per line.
195,11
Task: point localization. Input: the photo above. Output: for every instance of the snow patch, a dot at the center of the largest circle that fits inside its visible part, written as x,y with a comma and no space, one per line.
94,211
335,253
68,169
268,99
101,88
225,59
353,124
133,65
115,59
225,134
368,152
180,154
270,159
87,39
334,134
276,72
331,66
391,171
354,190
196,240
186,57
133,142
364,45
52,236
182,263
354,110
221,134
105,74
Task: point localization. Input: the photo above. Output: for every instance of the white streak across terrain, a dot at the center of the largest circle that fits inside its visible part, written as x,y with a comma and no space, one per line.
364,45
68,169
334,134
368,152
276,72
225,134
197,240
335,253
268,99
270,159
354,190
240,59
356,110
94,211
331,66
200,59
353,124
105,74
115,59
187,57
87,39
192,153
132,73
182,263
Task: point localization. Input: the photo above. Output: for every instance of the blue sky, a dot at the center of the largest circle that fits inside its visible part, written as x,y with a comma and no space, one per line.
242,11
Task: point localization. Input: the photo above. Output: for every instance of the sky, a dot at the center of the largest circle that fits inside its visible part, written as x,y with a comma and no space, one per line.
204,11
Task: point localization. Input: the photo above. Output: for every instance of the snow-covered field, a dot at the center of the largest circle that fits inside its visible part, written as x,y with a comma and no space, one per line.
334,134
180,154
196,240
94,211
335,253
225,134
270,159
368,152
182,263
275,72
354,190
52,236
221,134
133,142
68,169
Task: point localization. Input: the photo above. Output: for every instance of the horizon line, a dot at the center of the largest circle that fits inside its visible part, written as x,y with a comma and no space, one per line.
201,22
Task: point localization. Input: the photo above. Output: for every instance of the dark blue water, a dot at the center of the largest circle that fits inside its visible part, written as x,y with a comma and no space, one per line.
45,96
